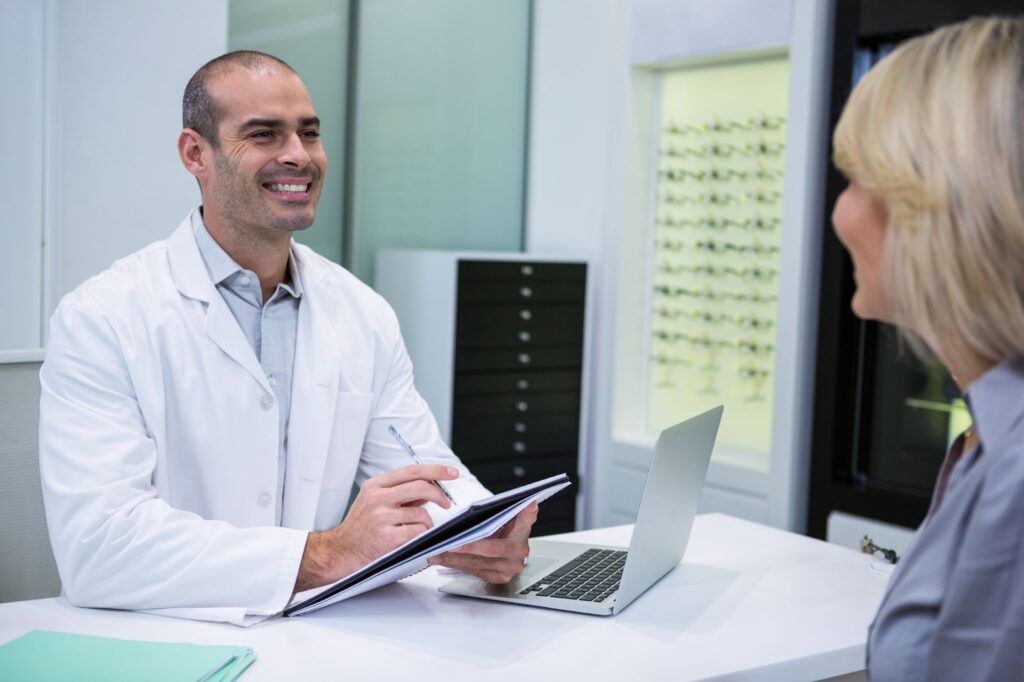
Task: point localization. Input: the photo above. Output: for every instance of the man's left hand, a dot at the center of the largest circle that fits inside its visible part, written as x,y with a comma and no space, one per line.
496,559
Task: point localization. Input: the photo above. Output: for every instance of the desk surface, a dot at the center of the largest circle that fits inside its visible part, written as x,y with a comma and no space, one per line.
748,602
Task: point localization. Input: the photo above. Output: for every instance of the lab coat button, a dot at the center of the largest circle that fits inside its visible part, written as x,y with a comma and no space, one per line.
264,500
266,402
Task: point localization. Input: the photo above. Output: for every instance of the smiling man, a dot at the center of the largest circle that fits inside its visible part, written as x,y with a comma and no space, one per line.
208,401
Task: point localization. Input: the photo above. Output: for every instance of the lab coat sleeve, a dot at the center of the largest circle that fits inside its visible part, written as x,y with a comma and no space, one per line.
116,543
400,404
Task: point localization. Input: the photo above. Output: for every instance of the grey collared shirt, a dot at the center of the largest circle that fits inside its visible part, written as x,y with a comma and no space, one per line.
270,327
954,609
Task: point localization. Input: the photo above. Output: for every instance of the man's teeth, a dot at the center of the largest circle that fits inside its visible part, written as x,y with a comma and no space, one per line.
278,187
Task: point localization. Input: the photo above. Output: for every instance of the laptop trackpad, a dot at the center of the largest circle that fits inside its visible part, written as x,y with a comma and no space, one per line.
536,568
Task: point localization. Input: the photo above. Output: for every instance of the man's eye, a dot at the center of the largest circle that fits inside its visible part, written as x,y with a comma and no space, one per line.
311,134
261,134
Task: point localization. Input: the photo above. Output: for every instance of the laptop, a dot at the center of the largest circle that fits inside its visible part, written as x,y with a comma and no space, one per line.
602,580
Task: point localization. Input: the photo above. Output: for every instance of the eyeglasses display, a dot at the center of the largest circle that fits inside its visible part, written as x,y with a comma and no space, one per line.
715,240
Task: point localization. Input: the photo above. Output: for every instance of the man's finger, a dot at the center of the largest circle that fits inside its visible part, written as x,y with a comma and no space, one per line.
521,525
472,563
411,515
410,491
494,548
486,569
415,472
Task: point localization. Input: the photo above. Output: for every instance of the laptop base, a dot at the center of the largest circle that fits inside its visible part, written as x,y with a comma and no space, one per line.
545,556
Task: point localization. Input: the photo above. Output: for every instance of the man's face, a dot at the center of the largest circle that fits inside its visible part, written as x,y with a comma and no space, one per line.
268,171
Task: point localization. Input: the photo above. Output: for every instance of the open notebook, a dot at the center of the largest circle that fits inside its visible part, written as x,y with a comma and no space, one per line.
479,520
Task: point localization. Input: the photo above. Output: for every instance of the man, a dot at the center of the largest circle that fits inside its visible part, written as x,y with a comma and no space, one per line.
208,401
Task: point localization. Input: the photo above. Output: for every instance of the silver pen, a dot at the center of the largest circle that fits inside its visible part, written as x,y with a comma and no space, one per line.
412,453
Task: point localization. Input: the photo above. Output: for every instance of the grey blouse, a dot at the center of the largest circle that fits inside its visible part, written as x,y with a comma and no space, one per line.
954,609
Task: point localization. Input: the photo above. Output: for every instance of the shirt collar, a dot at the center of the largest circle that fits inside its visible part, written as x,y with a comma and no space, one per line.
994,400
221,266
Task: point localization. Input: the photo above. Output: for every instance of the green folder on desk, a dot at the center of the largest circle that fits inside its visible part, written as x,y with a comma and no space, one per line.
58,656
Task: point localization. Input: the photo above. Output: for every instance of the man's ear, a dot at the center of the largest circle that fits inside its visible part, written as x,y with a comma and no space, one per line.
194,152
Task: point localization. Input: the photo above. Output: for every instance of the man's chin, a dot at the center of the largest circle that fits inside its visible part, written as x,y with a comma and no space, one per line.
295,222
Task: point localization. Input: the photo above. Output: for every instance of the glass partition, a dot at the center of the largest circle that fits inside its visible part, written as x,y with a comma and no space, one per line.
312,36
440,135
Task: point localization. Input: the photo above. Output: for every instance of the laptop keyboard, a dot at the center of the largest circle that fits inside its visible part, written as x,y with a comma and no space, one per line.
592,576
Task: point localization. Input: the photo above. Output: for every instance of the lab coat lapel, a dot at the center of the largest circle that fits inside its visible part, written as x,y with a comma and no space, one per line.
223,330
193,280
315,384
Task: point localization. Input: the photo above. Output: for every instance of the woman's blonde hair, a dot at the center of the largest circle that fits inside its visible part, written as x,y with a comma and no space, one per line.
935,132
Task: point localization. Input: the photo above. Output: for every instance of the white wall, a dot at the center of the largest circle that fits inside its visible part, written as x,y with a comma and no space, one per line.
92,109
21,173
579,67
116,70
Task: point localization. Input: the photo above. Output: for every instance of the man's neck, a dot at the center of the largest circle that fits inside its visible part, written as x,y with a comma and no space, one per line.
264,252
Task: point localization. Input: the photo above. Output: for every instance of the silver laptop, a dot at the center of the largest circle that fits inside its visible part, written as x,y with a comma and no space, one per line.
604,580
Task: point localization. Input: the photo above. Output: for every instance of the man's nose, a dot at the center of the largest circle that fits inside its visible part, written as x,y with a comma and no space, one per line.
293,152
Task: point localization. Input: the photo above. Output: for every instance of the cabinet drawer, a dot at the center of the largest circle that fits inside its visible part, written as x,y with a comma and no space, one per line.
517,317
488,438
541,427
520,337
483,449
501,476
513,405
518,383
470,270
515,472
485,359
518,292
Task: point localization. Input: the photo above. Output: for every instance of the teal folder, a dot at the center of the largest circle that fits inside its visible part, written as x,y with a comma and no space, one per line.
47,656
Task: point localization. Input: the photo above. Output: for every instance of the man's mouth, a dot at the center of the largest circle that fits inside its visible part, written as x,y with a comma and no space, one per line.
287,187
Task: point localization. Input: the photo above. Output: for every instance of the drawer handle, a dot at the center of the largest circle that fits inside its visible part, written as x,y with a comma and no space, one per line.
523,384
526,270
522,406
525,337
525,314
525,292
518,471
519,446
519,427
524,358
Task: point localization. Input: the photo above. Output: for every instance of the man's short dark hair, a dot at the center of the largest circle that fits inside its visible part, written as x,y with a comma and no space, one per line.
198,110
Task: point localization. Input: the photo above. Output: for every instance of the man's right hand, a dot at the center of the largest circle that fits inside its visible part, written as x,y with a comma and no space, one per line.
387,513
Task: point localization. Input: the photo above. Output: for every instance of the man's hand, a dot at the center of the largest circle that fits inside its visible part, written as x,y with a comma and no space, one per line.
498,558
387,513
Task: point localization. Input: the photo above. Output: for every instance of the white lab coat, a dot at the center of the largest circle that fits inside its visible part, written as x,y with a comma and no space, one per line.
158,444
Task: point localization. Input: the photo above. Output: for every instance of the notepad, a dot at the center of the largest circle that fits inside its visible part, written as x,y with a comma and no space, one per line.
479,520
58,656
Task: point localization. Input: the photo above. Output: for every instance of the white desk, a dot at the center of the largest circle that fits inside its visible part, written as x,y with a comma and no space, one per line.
749,602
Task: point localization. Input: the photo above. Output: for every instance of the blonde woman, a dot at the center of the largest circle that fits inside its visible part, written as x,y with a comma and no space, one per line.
932,142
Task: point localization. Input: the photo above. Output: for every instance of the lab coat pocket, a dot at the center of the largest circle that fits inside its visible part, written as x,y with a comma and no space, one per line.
351,420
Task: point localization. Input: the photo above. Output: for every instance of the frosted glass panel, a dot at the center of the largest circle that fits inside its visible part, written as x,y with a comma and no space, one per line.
312,36
717,219
440,126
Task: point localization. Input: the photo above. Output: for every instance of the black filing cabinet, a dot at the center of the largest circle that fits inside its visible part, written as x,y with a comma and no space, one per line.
518,364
